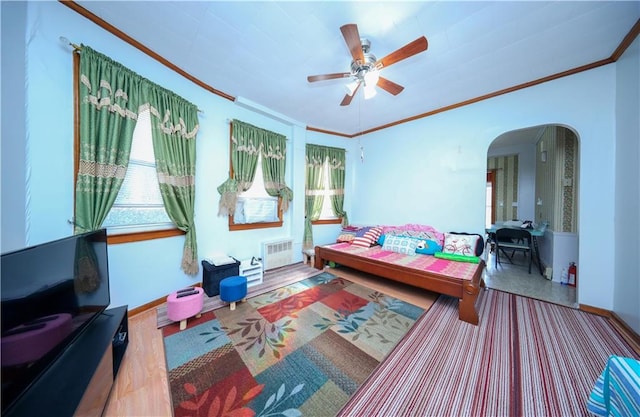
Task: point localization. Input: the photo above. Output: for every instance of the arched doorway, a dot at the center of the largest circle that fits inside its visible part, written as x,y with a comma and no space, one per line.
532,174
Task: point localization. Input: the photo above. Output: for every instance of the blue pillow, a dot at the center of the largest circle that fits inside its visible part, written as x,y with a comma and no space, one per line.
428,247
381,239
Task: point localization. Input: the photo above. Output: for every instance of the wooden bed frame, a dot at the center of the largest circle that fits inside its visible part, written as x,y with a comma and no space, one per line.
466,291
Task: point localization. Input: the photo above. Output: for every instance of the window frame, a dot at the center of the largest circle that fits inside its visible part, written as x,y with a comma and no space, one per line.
233,227
121,237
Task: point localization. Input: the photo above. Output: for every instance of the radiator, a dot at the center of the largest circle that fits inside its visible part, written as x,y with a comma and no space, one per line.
277,253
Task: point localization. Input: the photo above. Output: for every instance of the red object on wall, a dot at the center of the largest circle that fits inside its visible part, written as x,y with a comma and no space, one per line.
573,274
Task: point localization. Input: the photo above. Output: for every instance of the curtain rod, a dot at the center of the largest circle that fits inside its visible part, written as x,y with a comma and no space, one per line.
77,48
67,41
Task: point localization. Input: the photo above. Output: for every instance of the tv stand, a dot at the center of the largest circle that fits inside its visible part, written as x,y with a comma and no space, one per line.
79,381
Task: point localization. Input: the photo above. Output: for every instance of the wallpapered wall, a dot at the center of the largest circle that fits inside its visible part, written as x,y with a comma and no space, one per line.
556,179
506,180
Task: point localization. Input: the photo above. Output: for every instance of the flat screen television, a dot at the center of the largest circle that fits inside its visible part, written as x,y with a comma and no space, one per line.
49,294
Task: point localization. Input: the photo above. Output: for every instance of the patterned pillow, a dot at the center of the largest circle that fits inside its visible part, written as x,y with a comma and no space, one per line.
345,237
369,238
404,245
460,244
479,247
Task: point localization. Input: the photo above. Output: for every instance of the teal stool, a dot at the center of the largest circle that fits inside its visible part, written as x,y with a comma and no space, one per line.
233,289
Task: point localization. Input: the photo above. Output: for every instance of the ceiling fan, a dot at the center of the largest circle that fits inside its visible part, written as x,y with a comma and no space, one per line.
365,68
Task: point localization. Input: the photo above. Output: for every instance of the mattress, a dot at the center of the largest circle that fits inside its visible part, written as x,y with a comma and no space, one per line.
444,267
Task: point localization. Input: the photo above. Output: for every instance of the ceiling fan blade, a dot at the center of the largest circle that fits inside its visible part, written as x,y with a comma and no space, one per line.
347,98
314,78
410,49
352,38
389,86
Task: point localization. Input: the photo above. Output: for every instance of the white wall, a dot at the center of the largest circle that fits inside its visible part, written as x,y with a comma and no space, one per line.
39,161
526,175
13,225
433,170
626,262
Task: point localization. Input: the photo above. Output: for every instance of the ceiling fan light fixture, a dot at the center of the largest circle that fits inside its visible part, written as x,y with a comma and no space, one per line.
370,91
371,78
351,87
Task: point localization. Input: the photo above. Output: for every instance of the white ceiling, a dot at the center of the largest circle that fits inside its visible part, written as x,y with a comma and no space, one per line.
263,51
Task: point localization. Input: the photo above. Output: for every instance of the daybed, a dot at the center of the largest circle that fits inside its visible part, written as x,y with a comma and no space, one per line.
457,279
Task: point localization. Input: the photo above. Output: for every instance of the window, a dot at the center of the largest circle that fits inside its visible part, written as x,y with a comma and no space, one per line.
138,213
324,176
327,214
255,208
255,205
139,206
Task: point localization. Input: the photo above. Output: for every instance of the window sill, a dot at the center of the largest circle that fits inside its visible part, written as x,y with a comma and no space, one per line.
142,236
328,221
249,226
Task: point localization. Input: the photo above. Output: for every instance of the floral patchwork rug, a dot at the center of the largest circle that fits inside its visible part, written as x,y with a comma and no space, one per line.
303,349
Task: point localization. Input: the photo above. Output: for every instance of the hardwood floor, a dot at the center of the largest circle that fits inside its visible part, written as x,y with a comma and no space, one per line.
413,295
142,388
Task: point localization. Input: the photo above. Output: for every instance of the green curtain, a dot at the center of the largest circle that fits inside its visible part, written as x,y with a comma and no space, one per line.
86,274
245,149
174,125
274,158
244,158
336,159
314,159
247,143
109,101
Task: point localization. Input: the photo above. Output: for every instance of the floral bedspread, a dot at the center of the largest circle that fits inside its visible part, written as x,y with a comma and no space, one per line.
462,270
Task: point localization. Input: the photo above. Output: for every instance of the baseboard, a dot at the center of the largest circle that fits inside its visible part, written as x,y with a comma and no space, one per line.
627,332
153,304
595,310
623,328
162,300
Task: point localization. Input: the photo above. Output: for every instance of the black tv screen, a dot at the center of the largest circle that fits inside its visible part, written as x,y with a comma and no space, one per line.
49,294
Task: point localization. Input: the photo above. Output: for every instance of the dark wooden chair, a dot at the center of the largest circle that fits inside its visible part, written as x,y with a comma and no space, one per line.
513,240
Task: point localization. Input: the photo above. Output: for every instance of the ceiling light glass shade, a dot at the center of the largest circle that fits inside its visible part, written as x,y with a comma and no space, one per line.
371,78
370,91
351,87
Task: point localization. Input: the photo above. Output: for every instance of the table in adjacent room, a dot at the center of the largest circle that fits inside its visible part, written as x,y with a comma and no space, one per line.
535,233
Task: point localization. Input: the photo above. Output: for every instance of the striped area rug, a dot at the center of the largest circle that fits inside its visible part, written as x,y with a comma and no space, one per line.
274,278
526,358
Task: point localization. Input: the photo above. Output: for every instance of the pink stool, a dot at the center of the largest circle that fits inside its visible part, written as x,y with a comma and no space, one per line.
183,304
